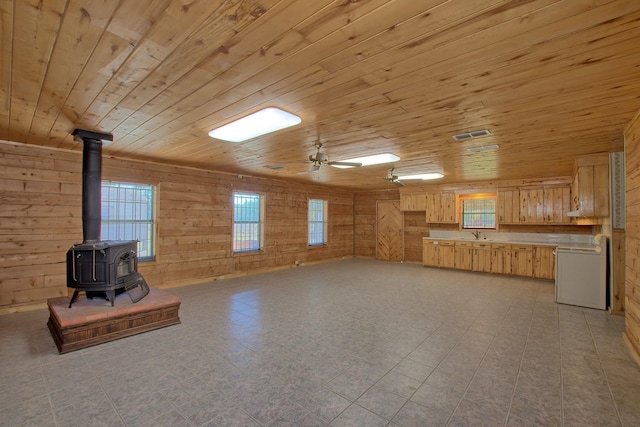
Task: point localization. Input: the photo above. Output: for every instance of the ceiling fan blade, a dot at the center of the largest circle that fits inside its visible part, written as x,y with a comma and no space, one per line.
397,183
351,164
315,167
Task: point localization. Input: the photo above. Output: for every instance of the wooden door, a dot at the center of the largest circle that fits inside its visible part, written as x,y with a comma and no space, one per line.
389,231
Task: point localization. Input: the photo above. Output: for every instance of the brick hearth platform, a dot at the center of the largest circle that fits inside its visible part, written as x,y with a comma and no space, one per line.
90,322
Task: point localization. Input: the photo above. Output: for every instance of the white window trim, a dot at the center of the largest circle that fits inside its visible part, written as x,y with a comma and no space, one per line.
261,223
325,213
479,197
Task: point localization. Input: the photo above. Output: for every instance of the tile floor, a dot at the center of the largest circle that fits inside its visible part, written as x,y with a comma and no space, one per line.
348,343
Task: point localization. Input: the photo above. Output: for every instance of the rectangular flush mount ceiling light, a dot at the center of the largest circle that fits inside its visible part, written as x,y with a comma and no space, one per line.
259,123
422,176
483,148
375,159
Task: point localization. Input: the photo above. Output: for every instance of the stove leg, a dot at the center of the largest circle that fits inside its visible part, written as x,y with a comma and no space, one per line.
73,298
111,296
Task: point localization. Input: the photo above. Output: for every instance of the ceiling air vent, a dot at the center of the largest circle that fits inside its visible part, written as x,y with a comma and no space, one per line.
469,135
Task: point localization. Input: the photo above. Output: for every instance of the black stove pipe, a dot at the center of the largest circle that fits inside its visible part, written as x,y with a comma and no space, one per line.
91,183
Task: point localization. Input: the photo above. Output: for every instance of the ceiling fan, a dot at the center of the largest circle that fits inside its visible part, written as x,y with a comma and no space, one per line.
318,159
393,178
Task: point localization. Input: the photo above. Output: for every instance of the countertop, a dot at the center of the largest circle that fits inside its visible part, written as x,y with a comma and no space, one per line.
568,242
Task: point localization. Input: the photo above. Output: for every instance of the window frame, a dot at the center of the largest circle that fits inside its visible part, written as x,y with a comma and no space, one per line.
260,223
324,222
477,198
151,222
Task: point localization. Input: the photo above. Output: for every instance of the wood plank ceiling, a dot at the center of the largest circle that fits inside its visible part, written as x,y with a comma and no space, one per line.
549,79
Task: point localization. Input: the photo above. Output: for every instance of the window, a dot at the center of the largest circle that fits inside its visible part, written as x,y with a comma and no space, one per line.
127,214
248,217
479,212
317,222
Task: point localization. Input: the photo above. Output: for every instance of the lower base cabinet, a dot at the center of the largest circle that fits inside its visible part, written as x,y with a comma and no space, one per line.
438,253
501,259
498,258
544,262
463,255
522,260
482,257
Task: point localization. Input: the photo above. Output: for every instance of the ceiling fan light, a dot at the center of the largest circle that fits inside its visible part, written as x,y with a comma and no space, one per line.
375,159
259,123
422,176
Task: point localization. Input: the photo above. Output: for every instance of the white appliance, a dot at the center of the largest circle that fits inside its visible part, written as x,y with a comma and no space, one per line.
581,275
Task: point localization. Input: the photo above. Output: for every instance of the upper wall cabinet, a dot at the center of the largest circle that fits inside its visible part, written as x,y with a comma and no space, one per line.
412,202
590,188
557,203
441,207
508,206
534,205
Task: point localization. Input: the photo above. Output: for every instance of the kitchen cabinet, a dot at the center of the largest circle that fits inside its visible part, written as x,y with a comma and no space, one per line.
590,187
412,202
544,266
522,260
508,206
430,249
501,258
535,205
463,253
557,203
441,207
532,205
447,255
438,253
536,261
481,258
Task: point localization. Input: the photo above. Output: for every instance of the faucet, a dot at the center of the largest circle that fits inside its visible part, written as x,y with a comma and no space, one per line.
477,234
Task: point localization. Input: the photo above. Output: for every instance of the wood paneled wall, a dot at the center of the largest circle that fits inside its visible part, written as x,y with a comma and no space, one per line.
632,237
41,217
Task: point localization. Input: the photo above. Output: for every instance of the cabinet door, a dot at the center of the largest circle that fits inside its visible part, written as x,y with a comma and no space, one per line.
482,258
497,259
544,262
591,186
522,260
447,213
412,202
447,255
463,256
557,202
532,207
509,206
432,207
585,191
440,207
430,253
601,190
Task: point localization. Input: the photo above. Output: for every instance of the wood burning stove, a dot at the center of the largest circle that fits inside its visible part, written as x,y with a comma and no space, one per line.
100,268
